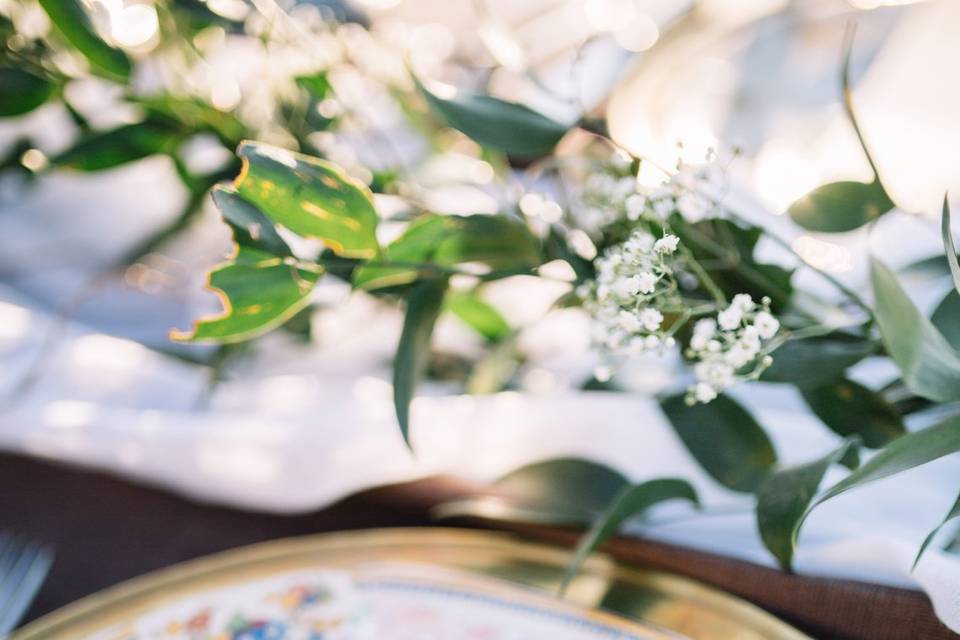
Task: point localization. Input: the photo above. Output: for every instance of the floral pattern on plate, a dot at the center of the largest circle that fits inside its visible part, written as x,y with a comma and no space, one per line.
378,602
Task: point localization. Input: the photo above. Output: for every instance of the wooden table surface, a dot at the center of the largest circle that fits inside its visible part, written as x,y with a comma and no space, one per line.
106,530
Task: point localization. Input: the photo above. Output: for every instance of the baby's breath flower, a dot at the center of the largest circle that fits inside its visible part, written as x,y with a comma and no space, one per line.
635,281
730,349
666,245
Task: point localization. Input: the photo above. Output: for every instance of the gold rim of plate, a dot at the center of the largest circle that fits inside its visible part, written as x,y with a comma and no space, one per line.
663,600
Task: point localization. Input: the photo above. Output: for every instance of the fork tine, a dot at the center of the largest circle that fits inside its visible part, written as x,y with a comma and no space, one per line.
30,564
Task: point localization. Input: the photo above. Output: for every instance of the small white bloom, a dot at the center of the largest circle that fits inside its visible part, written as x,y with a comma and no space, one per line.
651,343
705,327
704,393
667,244
626,287
624,187
744,302
629,322
646,282
716,373
638,243
635,204
698,341
714,346
663,208
670,342
651,319
730,318
738,356
767,326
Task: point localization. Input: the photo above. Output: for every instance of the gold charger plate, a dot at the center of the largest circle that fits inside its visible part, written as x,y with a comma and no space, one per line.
666,601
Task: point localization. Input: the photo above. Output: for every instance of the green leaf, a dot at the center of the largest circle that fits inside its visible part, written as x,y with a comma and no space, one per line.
259,292
813,362
928,268
423,307
194,115
953,513
508,127
851,409
577,485
72,21
562,491
102,150
841,206
317,85
725,439
251,228
631,501
478,314
946,318
498,241
415,245
906,452
949,247
22,92
783,499
930,366
731,247
309,196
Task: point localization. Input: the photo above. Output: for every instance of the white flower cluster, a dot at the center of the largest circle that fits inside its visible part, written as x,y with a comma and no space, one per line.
602,199
612,195
685,193
635,282
731,348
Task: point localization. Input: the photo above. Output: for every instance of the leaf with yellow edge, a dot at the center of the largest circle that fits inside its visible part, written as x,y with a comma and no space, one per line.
311,197
259,292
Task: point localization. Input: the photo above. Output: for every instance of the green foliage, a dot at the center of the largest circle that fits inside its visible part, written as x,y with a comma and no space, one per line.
22,92
193,115
729,248
566,491
100,150
949,248
814,362
423,306
74,24
930,366
478,314
259,292
317,84
511,128
251,228
784,497
310,197
952,514
906,452
498,241
841,206
850,409
725,439
946,318
632,501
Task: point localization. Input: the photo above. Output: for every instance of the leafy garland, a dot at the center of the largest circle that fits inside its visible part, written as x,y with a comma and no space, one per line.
668,268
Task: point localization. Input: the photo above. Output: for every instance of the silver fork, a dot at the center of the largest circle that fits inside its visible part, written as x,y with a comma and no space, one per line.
23,567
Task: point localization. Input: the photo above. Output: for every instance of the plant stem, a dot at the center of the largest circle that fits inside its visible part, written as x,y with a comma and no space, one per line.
848,37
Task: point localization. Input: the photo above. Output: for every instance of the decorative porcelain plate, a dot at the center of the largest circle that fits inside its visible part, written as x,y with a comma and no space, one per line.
420,584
